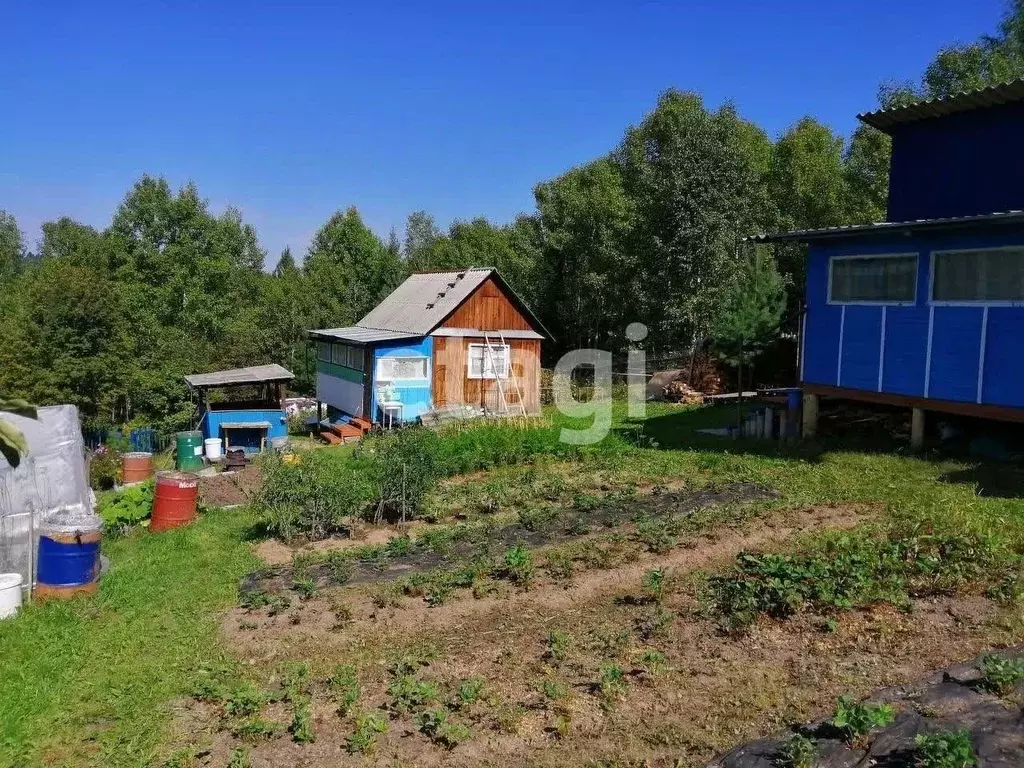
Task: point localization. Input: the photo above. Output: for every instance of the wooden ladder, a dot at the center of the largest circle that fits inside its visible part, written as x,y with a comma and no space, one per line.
489,345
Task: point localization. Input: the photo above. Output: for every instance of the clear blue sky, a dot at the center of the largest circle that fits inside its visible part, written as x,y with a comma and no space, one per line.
290,111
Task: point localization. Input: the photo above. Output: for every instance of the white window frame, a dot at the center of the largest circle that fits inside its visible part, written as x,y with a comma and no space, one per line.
486,357
968,302
380,378
875,303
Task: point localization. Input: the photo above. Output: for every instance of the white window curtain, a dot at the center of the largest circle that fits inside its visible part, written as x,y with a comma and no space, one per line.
402,369
979,275
484,364
873,279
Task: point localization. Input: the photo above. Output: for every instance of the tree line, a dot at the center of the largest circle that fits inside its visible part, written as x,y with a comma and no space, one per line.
112,319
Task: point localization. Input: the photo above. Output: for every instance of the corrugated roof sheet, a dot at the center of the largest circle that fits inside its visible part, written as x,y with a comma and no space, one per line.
424,300
477,333
1009,217
359,335
257,374
993,96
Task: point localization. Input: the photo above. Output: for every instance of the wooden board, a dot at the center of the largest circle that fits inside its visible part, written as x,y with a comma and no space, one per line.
452,386
982,411
488,309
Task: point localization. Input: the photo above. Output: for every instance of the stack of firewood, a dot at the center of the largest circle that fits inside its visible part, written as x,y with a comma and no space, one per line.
679,391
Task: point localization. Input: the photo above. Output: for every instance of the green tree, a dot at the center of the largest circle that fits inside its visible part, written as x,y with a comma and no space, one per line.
12,246
420,235
74,243
866,168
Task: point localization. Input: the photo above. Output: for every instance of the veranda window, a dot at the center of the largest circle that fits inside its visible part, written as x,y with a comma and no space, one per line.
979,275
873,279
402,369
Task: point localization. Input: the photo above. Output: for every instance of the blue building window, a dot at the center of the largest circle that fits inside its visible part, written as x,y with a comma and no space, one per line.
978,276
875,279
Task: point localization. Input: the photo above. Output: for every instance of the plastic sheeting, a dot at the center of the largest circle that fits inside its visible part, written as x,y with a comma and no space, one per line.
48,491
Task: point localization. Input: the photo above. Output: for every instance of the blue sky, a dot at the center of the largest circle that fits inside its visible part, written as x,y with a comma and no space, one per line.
290,111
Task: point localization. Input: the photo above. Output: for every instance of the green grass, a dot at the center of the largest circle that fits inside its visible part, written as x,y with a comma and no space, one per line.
91,681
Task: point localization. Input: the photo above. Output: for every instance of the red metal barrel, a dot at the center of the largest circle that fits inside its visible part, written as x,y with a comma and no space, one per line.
174,503
136,467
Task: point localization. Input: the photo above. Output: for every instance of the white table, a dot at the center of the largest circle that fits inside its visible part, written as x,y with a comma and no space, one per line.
389,408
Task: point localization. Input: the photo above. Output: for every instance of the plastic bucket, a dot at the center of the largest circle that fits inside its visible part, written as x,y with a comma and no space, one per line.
214,448
10,594
69,563
174,502
136,467
189,446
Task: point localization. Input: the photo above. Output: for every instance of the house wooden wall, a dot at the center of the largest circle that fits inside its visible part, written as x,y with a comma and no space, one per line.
452,385
488,309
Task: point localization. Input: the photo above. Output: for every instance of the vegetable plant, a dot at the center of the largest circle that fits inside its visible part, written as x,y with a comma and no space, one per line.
344,687
856,719
653,583
949,749
435,725
364,738
558,645
1001,675
302,721
798,751
518,564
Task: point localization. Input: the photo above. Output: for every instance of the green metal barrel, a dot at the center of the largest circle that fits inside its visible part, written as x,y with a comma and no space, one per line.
190,451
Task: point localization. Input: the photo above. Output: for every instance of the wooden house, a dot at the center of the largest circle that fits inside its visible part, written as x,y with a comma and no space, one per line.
926,309
441,339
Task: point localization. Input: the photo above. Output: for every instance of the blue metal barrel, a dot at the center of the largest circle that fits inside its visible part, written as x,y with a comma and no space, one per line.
69,562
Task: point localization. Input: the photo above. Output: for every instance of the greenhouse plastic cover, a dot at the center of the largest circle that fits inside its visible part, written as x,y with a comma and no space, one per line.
48,491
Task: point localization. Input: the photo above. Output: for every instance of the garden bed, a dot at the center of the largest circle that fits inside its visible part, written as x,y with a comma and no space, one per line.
353,567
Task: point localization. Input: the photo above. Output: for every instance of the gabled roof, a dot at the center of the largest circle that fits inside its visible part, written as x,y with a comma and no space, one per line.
993,96
855,230
427,299
257,374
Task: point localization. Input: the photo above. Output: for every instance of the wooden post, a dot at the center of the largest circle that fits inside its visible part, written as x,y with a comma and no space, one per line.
318,417
810,416
917,430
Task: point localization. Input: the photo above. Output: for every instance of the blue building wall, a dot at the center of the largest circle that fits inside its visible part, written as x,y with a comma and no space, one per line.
844,344
277,418
414,395
961,165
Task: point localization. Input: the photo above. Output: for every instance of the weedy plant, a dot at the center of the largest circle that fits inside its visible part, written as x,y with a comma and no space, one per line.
653,661
655,534
554,690
364,739
1001,675
558,645
256,729
856,719
239,758
409,694
302,721
518,565
470,690
344,687
655,623
305,586
245,701
612,683
653,583
798,751
950,749
435,725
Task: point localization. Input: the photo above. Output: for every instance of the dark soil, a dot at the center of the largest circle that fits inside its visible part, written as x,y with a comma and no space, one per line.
949,700
229,489
572,523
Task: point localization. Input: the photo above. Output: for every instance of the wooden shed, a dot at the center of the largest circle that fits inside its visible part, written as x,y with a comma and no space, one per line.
441,339
926,309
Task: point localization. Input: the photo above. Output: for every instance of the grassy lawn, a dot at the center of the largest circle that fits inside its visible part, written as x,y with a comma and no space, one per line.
95,681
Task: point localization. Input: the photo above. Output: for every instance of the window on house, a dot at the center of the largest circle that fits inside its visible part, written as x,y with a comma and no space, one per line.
993,274
355,358
402,368
873,279
488,363
340,354
323,351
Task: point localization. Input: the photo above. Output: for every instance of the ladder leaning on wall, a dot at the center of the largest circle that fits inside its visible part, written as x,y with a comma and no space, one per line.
489,345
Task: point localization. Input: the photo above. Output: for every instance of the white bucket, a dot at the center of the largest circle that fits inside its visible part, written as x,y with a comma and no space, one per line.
214,448
10,594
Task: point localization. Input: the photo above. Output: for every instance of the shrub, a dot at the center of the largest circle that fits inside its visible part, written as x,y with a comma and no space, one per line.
364,738
950,749
1001,675
127,507
105,468
797,751
856,719
344,687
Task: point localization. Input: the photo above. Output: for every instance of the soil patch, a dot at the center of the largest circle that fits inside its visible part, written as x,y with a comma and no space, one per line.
571,523
230,488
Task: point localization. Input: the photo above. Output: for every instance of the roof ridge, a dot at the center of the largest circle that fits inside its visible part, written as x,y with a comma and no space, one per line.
939,106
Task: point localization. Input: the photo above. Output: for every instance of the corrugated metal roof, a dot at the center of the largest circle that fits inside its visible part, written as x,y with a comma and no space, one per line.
359,335
1009,217
477,333
424,300
257,374
993,96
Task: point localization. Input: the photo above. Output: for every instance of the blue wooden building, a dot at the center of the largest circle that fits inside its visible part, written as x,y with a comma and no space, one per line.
251,421
926,309
458,339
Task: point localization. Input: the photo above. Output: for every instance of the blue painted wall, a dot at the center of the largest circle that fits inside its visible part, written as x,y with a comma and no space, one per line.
959,165
277,418
415,396
956,332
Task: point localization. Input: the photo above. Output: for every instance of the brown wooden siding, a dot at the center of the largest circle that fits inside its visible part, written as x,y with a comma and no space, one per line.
488,309
452,385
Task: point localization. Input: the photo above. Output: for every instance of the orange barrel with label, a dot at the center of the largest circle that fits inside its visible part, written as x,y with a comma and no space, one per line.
136,467
174,502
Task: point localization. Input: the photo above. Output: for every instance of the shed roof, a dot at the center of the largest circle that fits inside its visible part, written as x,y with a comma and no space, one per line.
359,335
853,230
257,374
993,96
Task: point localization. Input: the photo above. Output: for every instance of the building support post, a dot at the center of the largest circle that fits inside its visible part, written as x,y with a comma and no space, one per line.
810,416
917,430
318,417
